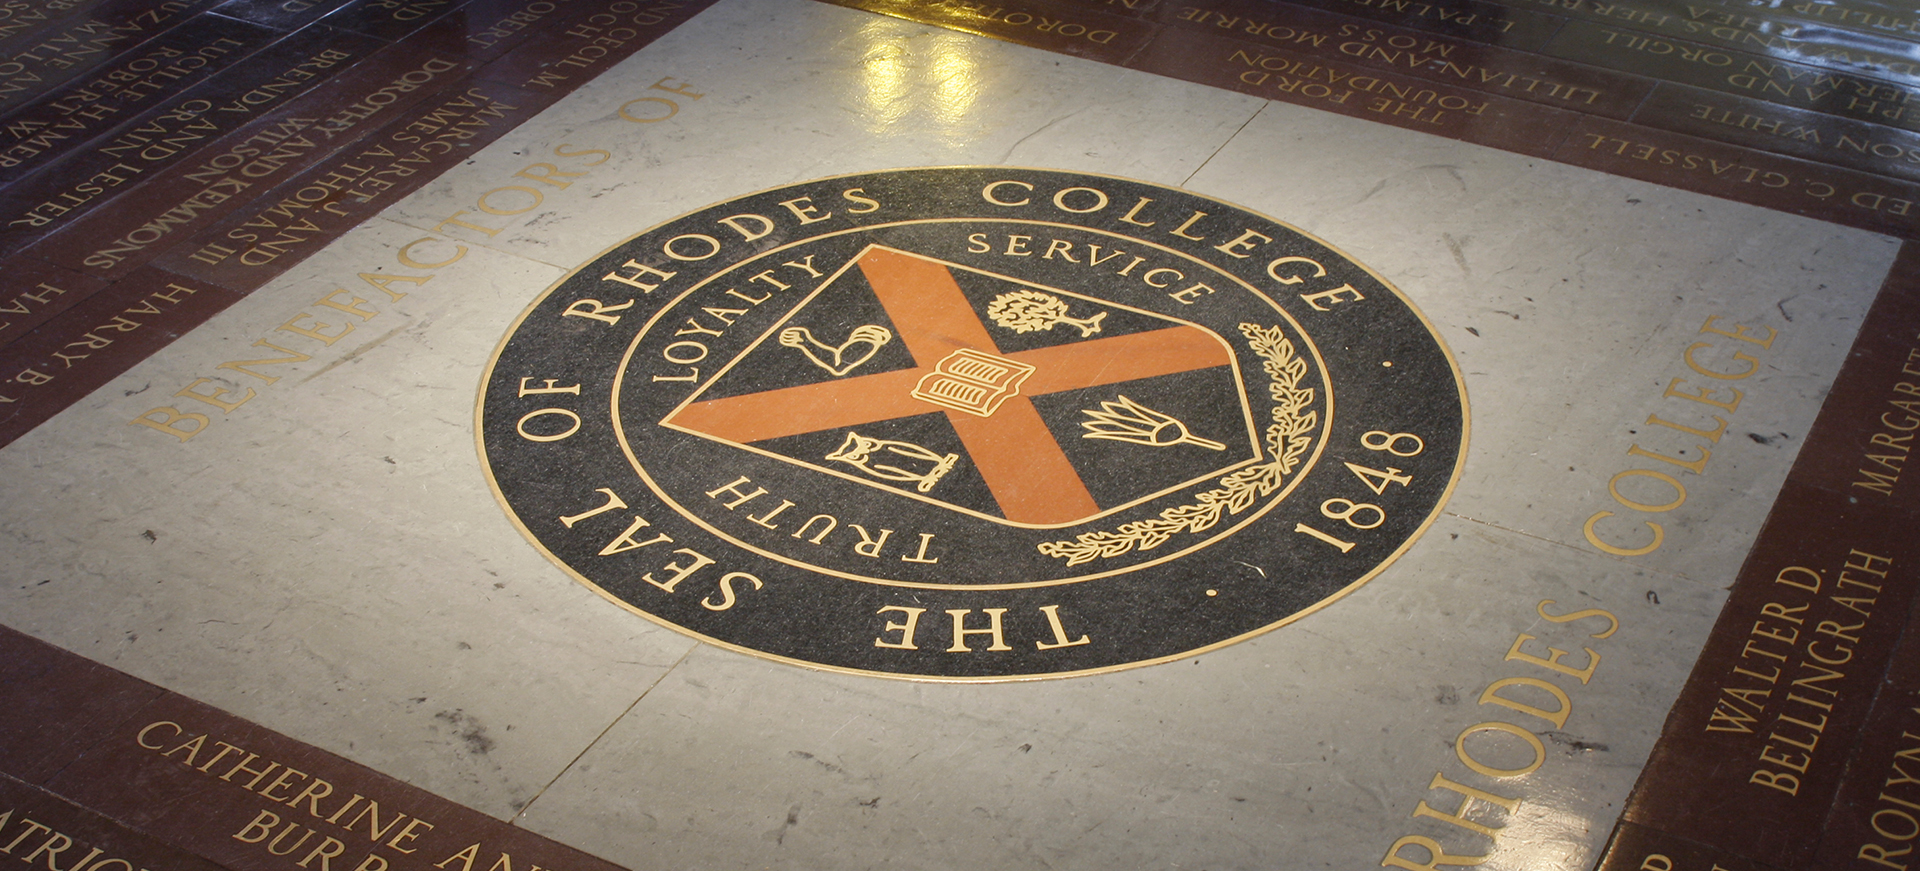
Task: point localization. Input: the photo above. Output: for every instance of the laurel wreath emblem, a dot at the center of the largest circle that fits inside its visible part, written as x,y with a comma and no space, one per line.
1287,438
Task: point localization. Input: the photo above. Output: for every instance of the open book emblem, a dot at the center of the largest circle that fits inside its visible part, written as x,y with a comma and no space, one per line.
973,382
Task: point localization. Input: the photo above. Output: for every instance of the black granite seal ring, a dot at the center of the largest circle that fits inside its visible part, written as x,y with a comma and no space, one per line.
972,423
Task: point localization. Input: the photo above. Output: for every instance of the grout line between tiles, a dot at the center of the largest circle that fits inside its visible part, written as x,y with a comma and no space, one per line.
1224,143
522,812
488,245
1557,543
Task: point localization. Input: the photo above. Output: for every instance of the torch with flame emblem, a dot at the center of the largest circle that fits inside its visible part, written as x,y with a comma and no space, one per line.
1129,421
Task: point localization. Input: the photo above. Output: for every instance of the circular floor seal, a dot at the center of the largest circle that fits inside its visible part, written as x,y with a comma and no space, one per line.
972,423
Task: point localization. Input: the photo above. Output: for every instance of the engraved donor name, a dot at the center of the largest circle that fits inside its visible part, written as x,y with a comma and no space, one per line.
306,821
37,842
1890,441
1790,677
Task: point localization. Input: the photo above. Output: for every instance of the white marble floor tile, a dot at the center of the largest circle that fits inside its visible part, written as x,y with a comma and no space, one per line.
1295,749
792,90
1570,300
326,558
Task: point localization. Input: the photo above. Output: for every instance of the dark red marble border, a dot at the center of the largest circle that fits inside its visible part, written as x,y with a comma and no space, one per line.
47,189
1877,806
1782,688
1779,747
171,784
84,347
55,705
335,147
85,38
1638,848
39,825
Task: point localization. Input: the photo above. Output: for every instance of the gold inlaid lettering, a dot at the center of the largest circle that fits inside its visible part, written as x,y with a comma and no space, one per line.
960,630
727,594
626,541
1059,631
677,572
905,642
613,502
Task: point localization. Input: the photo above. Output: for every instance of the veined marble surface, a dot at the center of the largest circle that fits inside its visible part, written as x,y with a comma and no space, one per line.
327,559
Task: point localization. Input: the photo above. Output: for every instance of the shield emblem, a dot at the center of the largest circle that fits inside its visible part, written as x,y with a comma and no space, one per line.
997,397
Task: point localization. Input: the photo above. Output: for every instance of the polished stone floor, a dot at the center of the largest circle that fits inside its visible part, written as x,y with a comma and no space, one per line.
317,548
